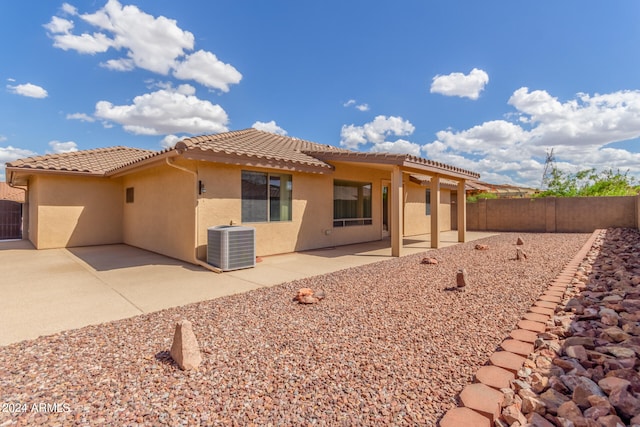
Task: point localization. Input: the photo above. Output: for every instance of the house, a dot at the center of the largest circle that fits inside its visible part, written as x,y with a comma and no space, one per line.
11,202
297,194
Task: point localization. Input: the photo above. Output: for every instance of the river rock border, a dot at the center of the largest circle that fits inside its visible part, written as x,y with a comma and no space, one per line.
482,403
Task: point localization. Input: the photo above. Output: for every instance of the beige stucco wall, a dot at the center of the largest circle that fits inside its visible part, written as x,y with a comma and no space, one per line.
69,211
416,221
311,225
162,216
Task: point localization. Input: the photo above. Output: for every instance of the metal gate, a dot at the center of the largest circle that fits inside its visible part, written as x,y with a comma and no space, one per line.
10,220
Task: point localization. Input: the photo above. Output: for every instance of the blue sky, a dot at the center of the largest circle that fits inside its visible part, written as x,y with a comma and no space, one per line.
487,86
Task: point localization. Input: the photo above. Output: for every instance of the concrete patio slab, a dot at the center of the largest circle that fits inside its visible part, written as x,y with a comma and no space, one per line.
48,291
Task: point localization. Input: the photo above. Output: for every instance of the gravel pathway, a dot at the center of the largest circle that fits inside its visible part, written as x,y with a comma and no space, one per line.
392,343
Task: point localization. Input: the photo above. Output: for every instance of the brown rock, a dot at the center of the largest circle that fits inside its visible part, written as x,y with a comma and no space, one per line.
537,420
610,421
429,261
185,350
600,407
577,352
308,299
512,414
461,278
610,384
626,404
570,411
302,292
520,254
539,382
519,242
552,400
482,247
531,402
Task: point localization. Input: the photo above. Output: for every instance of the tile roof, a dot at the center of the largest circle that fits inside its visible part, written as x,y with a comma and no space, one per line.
9,193
256,144
92,162
395,159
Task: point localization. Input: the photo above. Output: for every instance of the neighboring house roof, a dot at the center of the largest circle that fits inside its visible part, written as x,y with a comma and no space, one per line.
92,162
10,193
243,147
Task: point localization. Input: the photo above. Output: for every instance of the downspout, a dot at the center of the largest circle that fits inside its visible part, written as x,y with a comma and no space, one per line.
195,255
25,208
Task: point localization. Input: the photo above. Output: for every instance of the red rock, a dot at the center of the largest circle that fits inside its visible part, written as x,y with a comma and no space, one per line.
483,399
308,299
519,242
464,417
531,402
524,335
570,411
536,317
432,261
532,326
511,414
577,352
625,402
610,421
552,400
184,349
610,384
461,278
507,360
537,420
495,377
517,347
482,247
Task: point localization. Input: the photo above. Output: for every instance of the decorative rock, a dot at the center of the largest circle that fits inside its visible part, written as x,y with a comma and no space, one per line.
577,352
627,405
482,247
507,360
461,278
537,420
482,399
553,399
464,417
307,296
431,261
520,254
494,376
610,421
531,402
185,350
519,242
512,414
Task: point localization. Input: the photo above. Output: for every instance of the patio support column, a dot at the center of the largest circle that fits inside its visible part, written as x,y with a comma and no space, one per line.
435,211
462,211
396,211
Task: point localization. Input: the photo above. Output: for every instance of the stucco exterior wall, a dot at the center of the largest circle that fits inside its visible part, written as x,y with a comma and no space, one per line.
416,220
311,225
550,214
74,211
161,217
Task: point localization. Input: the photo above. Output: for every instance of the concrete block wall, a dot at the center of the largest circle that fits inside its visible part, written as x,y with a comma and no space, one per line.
554,215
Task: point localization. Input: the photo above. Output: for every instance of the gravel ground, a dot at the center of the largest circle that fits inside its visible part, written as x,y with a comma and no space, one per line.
393,343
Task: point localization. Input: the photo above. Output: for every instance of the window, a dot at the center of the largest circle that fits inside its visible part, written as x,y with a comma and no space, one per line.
428,202
266,197
129,195
351,203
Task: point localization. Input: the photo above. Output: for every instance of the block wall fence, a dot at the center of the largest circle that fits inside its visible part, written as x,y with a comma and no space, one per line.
554,214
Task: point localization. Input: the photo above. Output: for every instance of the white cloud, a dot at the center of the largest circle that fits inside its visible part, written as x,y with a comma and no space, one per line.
80,116
170,141
156,44
28,89
400,146
353,102
63,147
375,132
9,154
579,130
458,84
269,127
206,69
166,111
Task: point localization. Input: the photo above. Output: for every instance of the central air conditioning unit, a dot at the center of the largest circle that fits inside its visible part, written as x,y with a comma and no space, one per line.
231,247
